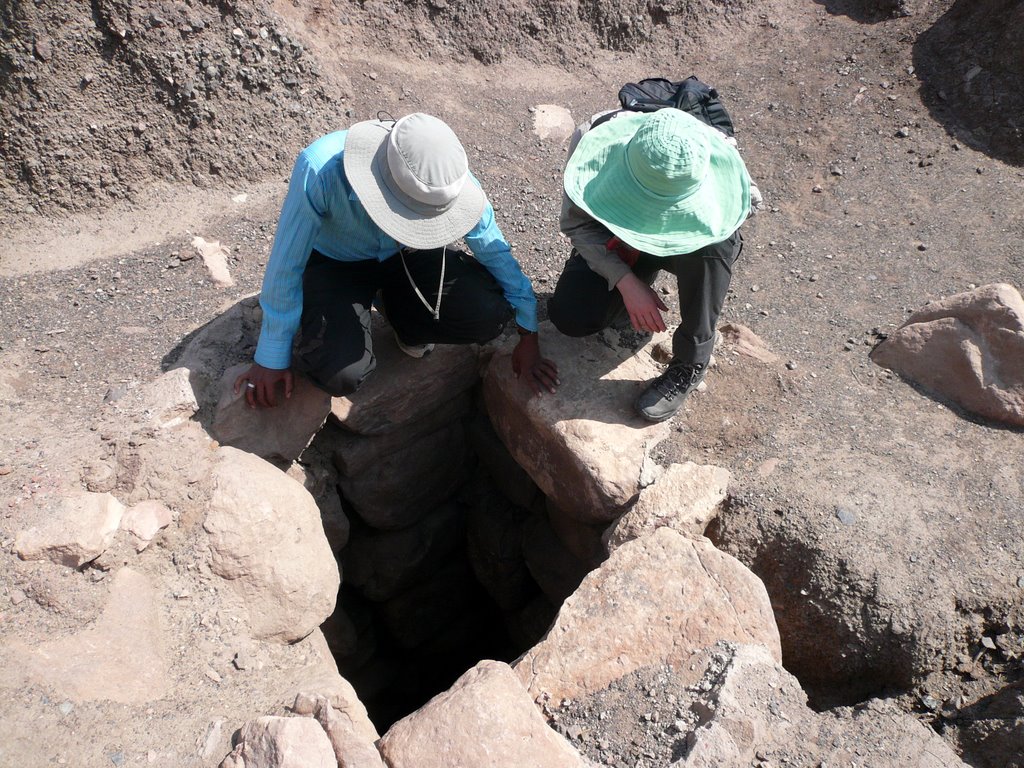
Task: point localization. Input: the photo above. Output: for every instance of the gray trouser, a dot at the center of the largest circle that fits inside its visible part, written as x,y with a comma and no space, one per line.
582,303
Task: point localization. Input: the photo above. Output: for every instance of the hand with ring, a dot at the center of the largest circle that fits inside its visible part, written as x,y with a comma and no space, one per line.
261,385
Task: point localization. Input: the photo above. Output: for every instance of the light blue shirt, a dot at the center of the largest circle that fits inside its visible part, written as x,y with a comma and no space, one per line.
321,211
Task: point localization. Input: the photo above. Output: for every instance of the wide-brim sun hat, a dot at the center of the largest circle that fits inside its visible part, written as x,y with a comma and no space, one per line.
663,182
412,177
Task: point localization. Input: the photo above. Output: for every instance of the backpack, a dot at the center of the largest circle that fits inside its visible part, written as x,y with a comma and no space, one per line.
690,95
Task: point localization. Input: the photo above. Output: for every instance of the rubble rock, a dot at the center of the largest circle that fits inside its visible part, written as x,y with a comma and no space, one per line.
404,486
686,497
402,389
282,742
145,520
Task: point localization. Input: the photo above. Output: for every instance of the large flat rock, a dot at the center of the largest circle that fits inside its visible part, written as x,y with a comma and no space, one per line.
584,446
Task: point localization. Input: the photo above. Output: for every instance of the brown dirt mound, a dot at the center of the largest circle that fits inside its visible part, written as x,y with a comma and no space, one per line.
101,98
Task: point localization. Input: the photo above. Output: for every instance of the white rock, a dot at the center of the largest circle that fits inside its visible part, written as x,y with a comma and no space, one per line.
78,531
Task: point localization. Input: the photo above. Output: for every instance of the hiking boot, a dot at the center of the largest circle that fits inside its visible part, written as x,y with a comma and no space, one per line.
413,350
666,394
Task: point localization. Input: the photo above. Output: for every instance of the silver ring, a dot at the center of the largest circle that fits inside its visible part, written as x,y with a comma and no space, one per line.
250,385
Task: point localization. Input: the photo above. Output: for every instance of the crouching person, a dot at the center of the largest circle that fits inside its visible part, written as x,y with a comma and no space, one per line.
370,216
645,192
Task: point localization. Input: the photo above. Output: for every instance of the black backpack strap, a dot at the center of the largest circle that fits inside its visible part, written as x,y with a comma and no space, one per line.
604,118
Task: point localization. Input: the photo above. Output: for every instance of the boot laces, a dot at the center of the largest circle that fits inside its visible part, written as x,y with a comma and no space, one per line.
677,378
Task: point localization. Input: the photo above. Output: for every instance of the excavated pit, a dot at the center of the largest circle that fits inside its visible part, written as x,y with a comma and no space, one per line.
475,572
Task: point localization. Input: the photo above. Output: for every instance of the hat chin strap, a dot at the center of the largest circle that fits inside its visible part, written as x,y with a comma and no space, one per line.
436,310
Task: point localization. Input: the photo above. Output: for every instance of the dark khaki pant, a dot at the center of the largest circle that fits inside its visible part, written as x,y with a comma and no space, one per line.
334,346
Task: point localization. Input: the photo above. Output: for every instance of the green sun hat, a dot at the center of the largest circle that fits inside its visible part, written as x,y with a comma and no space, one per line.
663,182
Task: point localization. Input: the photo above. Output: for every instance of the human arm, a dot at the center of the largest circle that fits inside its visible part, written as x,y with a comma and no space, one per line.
541,373
281,295
490,248
588,236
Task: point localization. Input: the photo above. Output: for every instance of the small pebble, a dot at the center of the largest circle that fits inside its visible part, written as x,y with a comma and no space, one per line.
846,517
922,247
66,707
755,288
791,365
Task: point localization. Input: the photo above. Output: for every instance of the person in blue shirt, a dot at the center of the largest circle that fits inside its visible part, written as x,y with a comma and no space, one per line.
370,215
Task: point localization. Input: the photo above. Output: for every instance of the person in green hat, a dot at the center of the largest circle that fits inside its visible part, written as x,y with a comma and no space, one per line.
645,192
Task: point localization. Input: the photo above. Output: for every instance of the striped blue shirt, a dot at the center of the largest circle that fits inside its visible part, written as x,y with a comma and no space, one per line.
321,211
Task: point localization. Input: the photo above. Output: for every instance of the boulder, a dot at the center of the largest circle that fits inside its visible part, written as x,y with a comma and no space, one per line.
282,742
382,564
228,339
319,679
494,542
967,348
278,434
78,530
266,537
354,453
583,540
485,719
551,563
685,497
351,749
316,471
656,599
403,487
402,389
585,447
508,476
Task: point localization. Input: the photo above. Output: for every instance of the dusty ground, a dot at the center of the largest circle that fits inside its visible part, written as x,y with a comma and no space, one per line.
127,132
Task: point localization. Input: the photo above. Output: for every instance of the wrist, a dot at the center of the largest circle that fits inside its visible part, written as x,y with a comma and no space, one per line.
523,332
